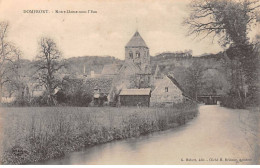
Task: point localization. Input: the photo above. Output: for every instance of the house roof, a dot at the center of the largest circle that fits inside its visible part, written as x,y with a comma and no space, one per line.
104,84
175,82
132,92
136,41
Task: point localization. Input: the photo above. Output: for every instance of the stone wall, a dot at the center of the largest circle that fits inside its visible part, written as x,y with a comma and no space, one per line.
165,92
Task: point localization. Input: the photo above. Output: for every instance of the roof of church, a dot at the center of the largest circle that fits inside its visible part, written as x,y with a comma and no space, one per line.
136,41
131,65
111,69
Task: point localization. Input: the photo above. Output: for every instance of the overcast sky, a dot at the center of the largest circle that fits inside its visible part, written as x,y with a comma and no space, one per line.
105,32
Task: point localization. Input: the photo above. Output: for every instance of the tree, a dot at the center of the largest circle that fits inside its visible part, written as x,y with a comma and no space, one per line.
17,79
48,64
74,92
194,78
214,82
8,56
231,20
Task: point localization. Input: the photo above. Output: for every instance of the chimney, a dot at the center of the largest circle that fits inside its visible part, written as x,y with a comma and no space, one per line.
92,74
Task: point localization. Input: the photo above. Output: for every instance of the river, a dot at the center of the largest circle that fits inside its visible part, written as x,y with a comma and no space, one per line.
214,137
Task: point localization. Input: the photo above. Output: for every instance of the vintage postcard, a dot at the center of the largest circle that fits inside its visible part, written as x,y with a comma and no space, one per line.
132,82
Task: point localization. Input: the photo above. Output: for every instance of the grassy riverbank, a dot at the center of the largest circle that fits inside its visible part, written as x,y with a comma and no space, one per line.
34,134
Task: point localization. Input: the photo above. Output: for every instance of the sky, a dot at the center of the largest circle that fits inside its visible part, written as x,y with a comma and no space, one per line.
105,32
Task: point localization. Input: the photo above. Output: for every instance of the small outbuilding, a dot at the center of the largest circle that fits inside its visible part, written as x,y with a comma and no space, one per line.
135,97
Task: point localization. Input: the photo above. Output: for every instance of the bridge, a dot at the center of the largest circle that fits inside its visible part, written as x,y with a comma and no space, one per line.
209,99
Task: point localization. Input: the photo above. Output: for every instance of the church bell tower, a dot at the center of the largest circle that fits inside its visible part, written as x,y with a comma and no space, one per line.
136,51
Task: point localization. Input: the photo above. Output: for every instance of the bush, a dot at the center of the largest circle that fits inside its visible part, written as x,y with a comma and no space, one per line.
73,93
232,100
80,99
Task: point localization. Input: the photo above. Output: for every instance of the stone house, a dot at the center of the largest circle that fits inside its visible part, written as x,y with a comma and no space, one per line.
167,90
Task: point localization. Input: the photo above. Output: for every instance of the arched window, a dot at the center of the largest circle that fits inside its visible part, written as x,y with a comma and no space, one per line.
137,54
131,55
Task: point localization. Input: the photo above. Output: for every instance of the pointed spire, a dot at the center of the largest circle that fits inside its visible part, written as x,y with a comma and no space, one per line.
136,41
158,74
136,20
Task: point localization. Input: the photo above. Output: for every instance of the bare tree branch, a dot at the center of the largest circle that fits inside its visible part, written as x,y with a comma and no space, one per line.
8,56
48,64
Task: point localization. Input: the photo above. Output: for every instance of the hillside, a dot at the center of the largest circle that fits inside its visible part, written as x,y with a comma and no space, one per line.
214,74
166,61
91,63
169,61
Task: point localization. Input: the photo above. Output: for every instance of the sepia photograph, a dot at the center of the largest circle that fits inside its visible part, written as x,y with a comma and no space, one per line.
129,82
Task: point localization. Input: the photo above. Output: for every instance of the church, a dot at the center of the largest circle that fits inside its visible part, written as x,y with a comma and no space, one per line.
133,83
